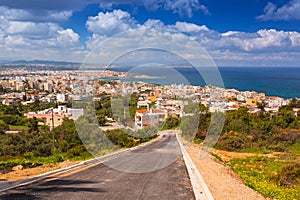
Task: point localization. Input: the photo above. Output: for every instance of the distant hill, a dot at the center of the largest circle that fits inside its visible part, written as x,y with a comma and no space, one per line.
4,61
42,62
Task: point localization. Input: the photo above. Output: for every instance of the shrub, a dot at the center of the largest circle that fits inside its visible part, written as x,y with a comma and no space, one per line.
289,175
76,151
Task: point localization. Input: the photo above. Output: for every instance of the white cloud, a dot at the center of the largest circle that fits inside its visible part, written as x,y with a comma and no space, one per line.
181,7
32,33
35,16
189,27
263,40
65,38
110,23
31,29
16,41
94,40
230,33
148,41
295,39
35,40
232,45
185,7
154,23
289,11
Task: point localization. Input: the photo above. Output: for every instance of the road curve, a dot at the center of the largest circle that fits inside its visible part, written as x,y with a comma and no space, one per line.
145,173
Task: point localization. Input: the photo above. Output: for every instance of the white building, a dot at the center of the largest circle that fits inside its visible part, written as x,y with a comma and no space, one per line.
149,117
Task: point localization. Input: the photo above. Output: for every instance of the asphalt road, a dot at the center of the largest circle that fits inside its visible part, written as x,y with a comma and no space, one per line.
155,171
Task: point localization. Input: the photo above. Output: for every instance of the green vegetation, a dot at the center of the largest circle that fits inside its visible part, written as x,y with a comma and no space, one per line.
36,145
172,122
272,177
103,108
127,104
126,138
259,132
276,176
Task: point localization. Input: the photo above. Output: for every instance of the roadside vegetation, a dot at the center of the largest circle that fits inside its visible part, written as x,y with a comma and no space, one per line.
273,141
35,145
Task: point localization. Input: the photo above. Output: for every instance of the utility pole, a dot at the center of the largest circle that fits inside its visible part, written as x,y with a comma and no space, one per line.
51,129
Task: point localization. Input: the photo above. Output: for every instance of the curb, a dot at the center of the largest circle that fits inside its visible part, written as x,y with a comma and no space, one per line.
199,186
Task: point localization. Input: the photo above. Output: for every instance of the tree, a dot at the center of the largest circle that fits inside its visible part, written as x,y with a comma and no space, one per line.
261,106
295,103
189,126
101,120
3,127
171,122
33,125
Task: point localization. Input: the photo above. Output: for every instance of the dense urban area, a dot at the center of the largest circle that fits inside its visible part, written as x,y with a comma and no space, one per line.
38,110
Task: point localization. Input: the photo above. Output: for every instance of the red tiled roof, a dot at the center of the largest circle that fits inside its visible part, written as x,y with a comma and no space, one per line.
142,111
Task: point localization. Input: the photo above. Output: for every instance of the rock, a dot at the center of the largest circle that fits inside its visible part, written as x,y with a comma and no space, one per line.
18,168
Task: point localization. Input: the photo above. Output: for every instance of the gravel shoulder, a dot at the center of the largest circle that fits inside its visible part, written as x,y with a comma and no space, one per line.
220,179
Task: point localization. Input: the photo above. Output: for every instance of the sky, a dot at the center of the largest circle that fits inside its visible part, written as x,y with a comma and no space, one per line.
232,32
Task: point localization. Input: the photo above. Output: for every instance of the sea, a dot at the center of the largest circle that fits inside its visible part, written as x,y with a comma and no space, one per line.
273,81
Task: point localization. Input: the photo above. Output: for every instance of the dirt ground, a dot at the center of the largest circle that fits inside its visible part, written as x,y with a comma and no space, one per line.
30,172
220,179
227,155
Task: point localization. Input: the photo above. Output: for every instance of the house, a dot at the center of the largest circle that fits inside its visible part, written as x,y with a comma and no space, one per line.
150,117
53,117
251,102
296,111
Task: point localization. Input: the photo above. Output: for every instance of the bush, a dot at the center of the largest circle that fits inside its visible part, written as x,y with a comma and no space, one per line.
234,141
76,151
289,175
29,155
171,122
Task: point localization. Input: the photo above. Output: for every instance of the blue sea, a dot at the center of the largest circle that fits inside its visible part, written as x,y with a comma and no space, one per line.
273,81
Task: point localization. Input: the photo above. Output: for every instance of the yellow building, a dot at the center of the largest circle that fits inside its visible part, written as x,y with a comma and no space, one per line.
251,102
48,117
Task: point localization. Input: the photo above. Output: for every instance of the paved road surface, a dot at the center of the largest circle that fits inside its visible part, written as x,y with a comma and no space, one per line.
145,173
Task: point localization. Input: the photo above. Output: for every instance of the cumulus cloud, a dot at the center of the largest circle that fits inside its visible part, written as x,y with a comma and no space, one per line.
154,23
190,27
32,39
228,47
289,11
106,24
110,23
261,48
35,16
65,38
57,37
263,40
31,29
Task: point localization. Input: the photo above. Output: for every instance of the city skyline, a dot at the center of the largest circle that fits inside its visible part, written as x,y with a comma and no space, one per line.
248,33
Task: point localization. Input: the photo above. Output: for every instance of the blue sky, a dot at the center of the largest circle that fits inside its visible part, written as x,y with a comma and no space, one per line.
233,32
